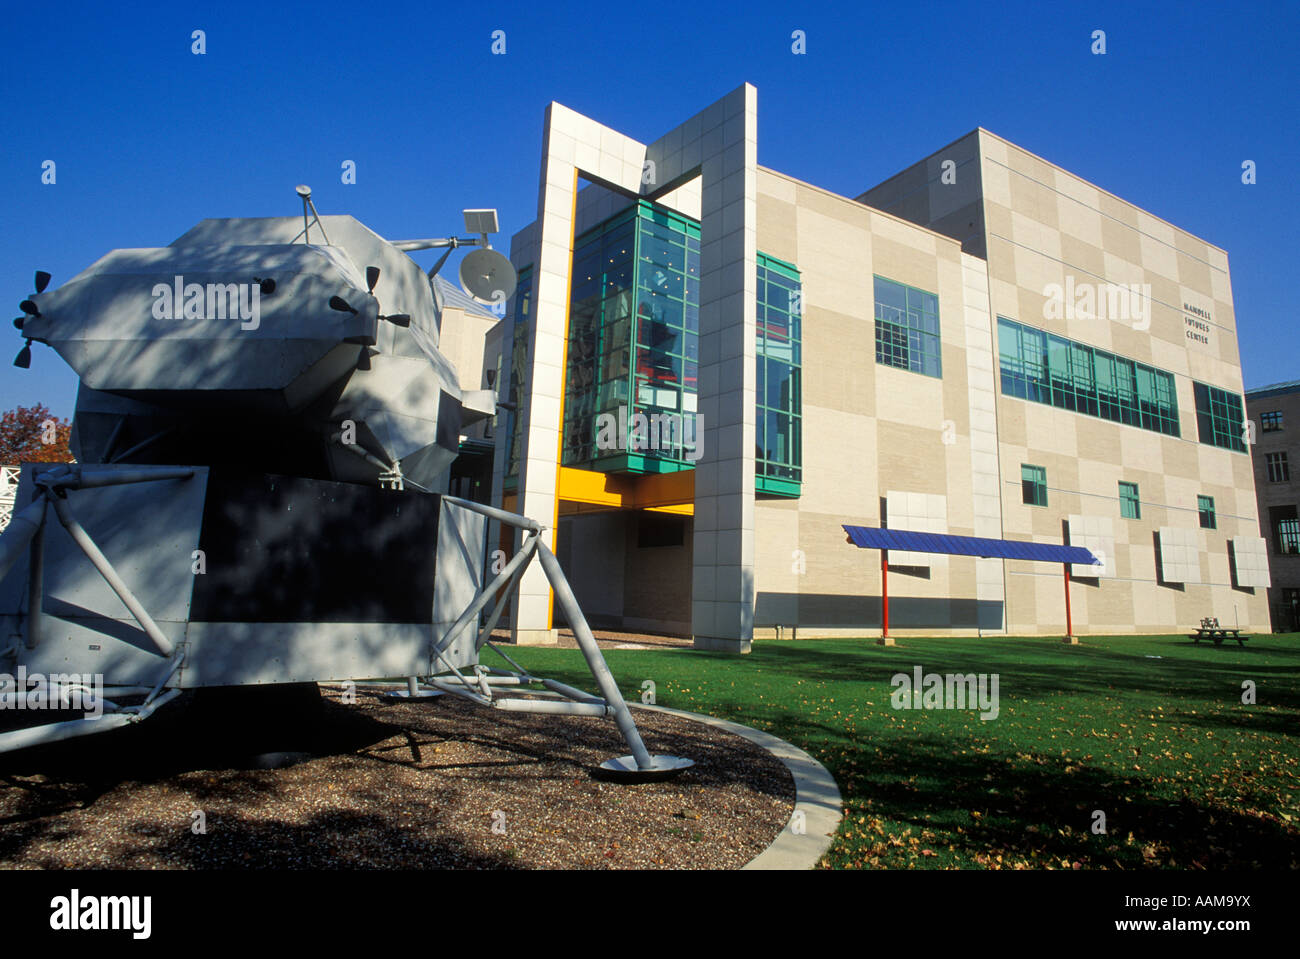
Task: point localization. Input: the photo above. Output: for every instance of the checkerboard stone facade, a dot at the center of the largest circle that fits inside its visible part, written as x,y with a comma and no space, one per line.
987,227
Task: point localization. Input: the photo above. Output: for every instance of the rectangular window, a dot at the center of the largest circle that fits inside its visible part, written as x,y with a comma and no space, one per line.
1071,376
1288,536
1279,471
1271,421
1219,417
1033,483
1286,528
1205,506
1129,505
907,328
778,459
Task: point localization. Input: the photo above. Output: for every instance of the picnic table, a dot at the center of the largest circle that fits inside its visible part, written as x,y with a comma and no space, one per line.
1210,629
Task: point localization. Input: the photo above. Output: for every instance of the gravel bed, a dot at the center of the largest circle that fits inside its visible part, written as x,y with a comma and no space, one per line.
436,783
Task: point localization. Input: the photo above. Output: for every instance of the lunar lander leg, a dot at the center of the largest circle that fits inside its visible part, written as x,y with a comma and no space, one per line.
480,687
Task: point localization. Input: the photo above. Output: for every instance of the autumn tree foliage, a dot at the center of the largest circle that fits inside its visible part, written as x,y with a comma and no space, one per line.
33,434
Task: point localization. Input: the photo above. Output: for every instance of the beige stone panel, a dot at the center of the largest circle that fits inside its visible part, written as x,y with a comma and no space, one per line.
777,233
910,459
1153,606
1215,467
776,537
1049,602
1141,554
776,186
1079,222
956,402
1225,314
1220,286
1025,230
909,398
1139,450
1069,185
1049,428
903,264
1195,274
993,147
1004,298
1098,440
1093,331
960,491
1115,208
1158,257
1182,461
839,282
839,362
1120,240
997,220
1083,258
1193,247
841,239
1032,306
839,459
1172,358
1107,606
1156,228
1243,476
834,566
1033,270
1117,268
995,181
824,203
1017,518
1011,425
1033,199
904,234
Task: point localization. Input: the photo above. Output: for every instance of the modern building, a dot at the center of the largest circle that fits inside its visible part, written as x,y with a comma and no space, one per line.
711,366
1274,413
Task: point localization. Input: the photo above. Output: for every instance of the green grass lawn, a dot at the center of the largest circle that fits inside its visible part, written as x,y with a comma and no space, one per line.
1188,776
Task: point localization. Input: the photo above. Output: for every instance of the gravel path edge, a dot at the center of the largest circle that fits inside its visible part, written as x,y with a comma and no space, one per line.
818,806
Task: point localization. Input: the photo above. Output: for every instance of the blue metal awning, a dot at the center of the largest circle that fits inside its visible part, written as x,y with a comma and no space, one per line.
869,537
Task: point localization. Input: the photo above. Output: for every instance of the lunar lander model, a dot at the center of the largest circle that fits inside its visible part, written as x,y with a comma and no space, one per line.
262,421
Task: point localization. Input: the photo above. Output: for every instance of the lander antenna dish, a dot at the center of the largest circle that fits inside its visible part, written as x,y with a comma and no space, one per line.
487,276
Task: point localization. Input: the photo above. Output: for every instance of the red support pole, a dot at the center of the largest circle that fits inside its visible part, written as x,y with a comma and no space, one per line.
884,593
1069,624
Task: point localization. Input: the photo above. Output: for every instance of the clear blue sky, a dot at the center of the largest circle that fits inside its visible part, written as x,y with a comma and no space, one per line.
149,138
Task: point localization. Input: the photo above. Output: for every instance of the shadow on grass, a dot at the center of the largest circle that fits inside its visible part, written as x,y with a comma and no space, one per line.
1041,810
1086,670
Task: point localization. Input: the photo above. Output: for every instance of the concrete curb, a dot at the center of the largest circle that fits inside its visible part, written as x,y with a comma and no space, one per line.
817,801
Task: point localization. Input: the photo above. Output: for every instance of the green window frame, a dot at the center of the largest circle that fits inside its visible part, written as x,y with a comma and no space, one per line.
633,343
1130,506
778,429
1045,368
1205,507
1033,485
1220,420
907,328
